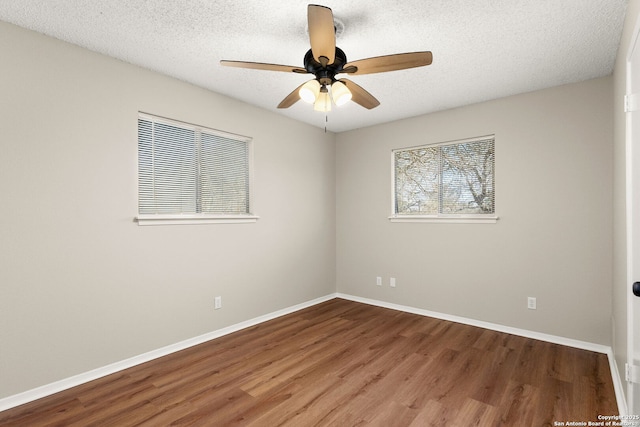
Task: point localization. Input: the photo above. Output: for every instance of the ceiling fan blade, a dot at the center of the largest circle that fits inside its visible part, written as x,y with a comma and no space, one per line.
292,98
360,96
263,66
322,33
380,64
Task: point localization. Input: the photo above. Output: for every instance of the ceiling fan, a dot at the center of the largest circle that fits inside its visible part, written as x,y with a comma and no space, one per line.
325,60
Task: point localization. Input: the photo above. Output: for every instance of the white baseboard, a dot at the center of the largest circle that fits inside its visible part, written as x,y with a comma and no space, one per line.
58,386
617,384
486,325
55,387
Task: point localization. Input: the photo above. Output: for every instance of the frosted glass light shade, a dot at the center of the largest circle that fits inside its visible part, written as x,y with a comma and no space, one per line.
309,91
323,103
341,94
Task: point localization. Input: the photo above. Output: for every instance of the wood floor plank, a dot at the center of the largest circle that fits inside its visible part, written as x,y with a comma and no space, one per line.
497,371
434,414
519,404
300,406
394,414
342,363
474,413
534,362
260,406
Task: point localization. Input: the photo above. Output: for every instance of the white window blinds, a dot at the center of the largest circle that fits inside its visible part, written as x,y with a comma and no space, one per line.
224,175
446,179
186,169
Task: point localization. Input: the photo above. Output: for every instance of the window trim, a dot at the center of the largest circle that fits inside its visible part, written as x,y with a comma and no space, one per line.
437,218
452,219
190,219
199,218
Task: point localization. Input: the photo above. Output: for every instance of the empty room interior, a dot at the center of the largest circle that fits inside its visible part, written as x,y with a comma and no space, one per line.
328,298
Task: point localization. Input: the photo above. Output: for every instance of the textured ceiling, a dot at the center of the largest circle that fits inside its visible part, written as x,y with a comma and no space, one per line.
482,49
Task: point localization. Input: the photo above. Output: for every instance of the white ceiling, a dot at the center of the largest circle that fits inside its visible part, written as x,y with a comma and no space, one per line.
482,49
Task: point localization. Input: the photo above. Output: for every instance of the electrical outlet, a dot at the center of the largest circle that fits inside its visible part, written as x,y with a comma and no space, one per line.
379,281
531,303
217,303
392,282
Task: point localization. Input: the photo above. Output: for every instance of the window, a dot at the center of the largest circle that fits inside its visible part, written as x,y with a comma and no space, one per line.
450,181
191,174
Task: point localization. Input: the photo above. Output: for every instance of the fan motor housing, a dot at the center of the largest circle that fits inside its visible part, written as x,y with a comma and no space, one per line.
325,75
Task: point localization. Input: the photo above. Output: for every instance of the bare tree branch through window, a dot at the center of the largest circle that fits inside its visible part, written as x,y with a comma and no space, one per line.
446,179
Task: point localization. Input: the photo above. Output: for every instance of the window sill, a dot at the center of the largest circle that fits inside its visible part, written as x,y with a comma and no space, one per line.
194,219
452,219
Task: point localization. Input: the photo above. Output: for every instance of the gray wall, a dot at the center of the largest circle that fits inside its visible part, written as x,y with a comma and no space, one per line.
553,196
82,285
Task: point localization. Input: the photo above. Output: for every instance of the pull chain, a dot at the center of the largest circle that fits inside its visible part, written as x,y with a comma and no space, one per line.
326,119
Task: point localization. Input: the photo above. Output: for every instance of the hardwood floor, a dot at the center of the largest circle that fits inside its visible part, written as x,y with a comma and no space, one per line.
342,363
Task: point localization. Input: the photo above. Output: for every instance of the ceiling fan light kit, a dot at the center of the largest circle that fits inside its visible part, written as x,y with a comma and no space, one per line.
312,93
325,60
